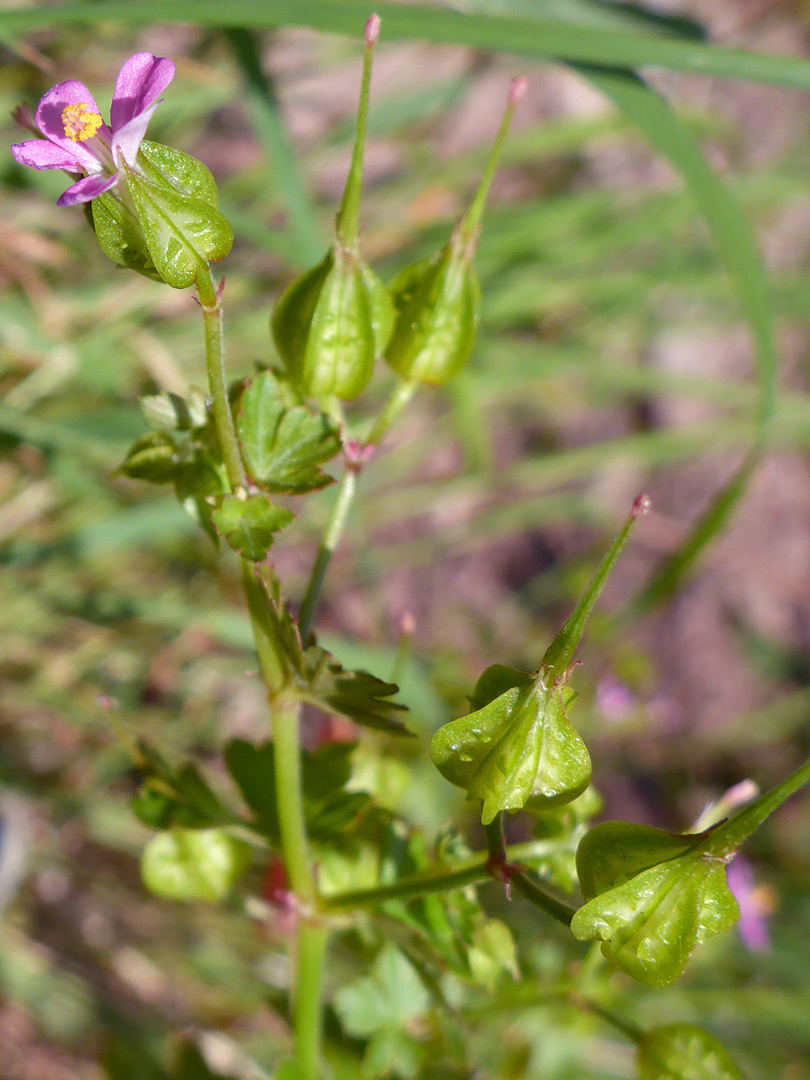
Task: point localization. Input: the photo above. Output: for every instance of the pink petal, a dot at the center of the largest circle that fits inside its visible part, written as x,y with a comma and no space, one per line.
49,121
127,139
142,78
41,154
86,189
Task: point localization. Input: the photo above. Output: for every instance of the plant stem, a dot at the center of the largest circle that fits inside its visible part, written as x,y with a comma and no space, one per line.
285,715
627,1027
326,549
538,896
401,395
727,837
472,872
289,801
211,306
307,1012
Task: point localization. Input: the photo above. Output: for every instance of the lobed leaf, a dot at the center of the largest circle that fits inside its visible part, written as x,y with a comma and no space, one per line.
283,446
248,524
357,695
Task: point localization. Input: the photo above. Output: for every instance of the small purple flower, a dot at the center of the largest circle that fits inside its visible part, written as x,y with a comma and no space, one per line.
755,905
78,140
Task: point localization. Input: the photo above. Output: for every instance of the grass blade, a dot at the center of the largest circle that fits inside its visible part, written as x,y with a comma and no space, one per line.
536,38
307,242
735,241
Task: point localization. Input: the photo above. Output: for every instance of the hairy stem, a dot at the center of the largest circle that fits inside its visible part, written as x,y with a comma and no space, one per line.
537,895
326,549
401,395
289,802
474,871
284,710
210,298
307,1011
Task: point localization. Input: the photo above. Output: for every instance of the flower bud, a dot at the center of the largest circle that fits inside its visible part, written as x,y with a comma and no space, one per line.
437,300
334,320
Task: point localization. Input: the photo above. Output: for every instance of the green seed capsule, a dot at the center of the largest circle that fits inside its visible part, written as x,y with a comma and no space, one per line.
436,303
333,321
323,327
437,300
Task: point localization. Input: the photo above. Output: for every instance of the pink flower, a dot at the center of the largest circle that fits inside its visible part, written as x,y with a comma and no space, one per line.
78,140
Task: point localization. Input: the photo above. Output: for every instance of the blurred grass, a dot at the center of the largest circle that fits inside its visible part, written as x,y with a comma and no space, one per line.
116,621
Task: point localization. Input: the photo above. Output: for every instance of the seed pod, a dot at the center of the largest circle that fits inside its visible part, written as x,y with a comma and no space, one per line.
331,323
437,300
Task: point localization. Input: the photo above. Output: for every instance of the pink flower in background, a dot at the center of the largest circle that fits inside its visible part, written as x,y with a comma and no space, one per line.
756,903
76,137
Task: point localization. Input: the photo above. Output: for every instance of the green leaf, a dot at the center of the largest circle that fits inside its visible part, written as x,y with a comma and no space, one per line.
197,483
660,896
684,1052
329,809
174,796
385,1000
283,446
170,412
519,747
193,864
248,524
153,458
539,38
493,953
357,695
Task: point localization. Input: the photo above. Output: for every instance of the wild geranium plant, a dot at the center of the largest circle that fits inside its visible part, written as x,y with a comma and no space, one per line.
346,865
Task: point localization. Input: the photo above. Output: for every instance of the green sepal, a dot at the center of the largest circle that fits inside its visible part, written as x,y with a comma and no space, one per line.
323,325
615,851
436,303
153,458
684,1052
165,223
120,235
194,864
283,445
182,234
381,307
519,748
660,895
360,697
248,523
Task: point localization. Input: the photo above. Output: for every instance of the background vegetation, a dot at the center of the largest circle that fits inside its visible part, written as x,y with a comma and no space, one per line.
627,343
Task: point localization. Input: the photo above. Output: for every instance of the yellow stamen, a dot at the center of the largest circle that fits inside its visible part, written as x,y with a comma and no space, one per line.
79,123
